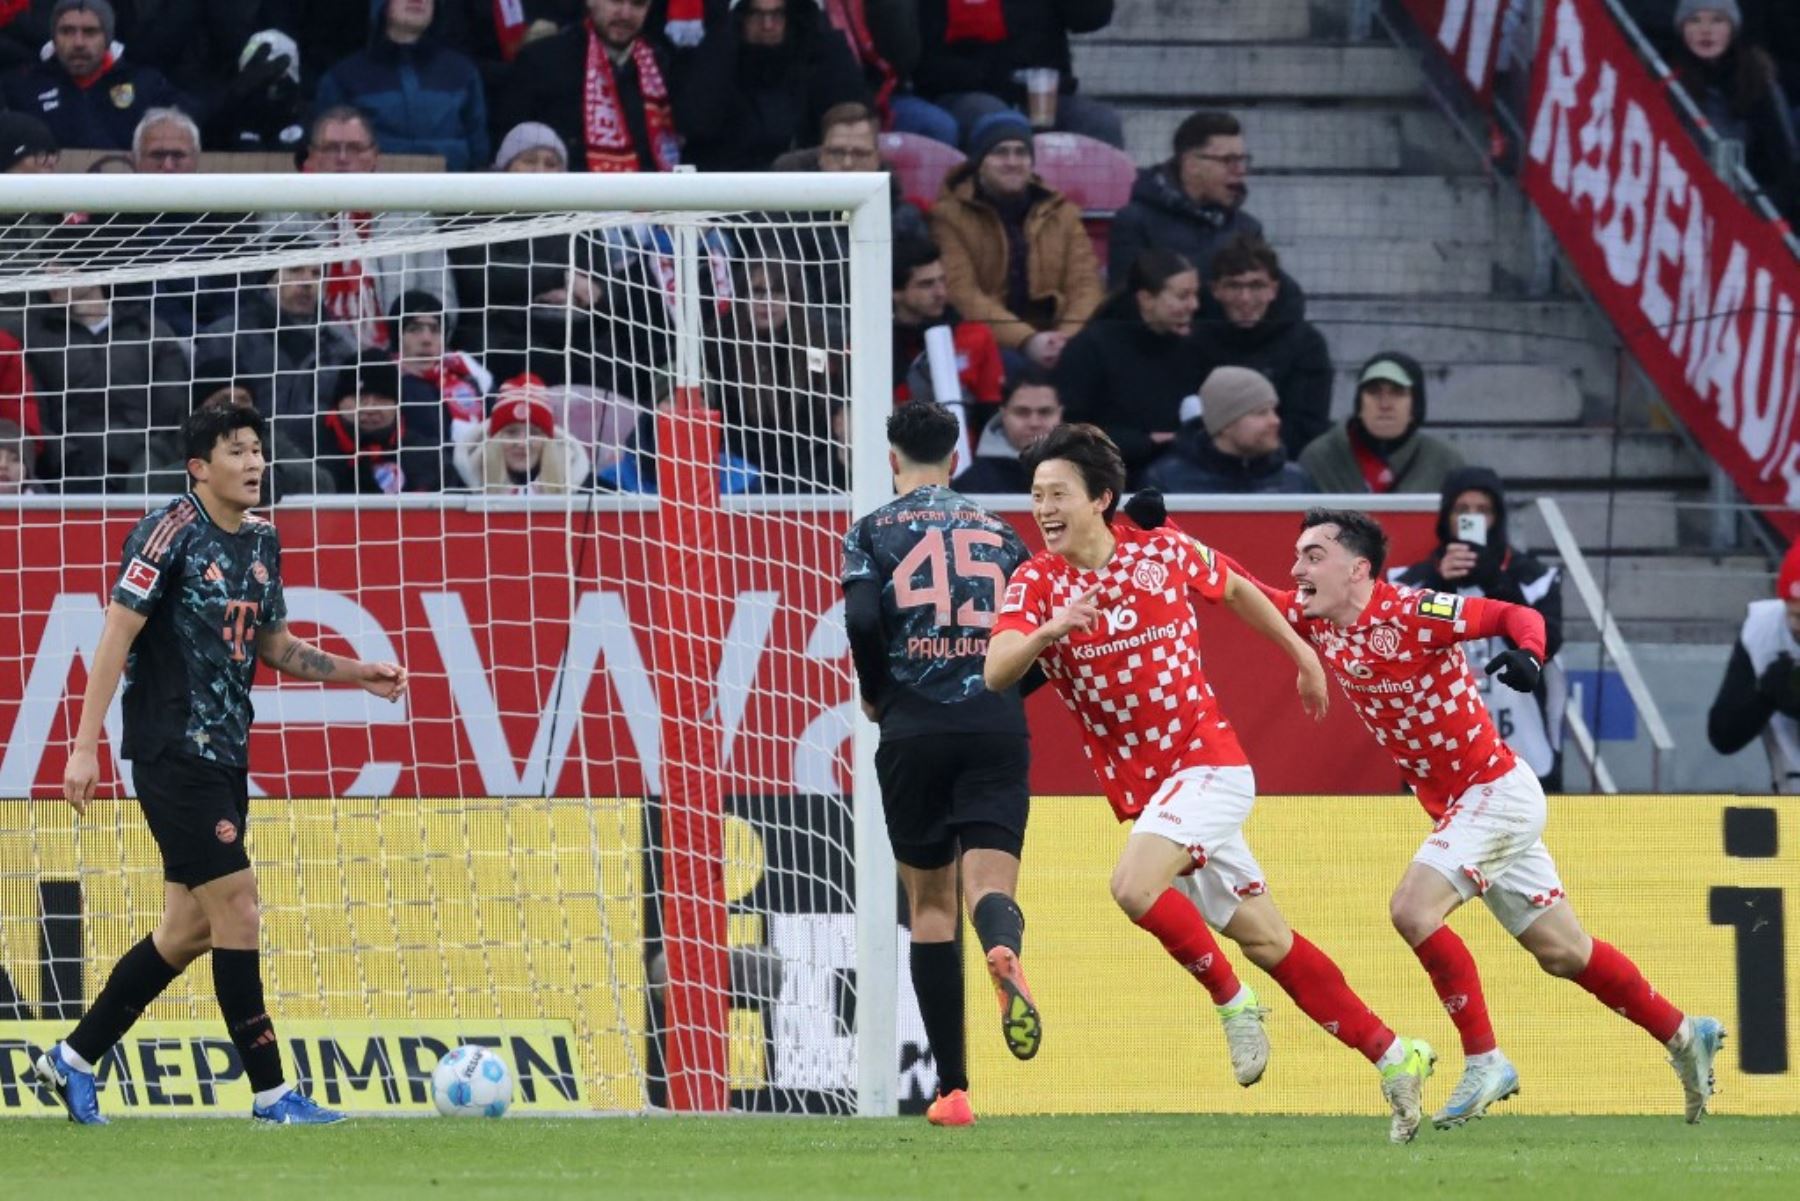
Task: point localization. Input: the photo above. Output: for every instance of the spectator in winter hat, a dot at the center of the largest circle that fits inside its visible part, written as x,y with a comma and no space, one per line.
85,91
371,442
1234,445
532,146
1381,447
1015,252
524,449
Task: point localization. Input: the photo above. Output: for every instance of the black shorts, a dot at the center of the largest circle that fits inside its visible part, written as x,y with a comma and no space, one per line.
199,812
951,790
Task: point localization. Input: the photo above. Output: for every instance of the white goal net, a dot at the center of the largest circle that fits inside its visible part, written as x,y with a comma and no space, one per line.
579,453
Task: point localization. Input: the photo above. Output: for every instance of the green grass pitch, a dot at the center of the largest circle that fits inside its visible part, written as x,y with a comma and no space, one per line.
1042,1159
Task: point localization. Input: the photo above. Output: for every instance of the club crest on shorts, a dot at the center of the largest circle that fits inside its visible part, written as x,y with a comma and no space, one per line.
1150,575
225,832
1385,641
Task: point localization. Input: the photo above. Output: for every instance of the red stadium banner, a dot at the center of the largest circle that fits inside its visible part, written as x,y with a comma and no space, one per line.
511,697
1700,287
1468,34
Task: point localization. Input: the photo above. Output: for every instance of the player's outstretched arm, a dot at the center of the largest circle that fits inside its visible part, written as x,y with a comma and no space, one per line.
1519,666
291,656
1259,613
81,776
1011,653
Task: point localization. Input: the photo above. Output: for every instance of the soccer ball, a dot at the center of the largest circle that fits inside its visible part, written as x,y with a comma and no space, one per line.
472,1082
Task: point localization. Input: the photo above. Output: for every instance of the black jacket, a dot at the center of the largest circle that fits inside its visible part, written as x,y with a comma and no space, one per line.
101,116
1198,465
548,85
1162,216
739,106
1500,571
1127,379
1283,346
1037,35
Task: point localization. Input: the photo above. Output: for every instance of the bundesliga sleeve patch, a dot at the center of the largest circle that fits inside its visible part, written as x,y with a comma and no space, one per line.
1441,605
1205,552
1015,598
139,578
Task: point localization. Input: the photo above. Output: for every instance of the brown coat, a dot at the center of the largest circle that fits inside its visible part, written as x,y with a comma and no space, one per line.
1063,272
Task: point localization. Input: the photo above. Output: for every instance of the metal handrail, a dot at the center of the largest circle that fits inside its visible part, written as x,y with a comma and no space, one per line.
1587,744
1575,567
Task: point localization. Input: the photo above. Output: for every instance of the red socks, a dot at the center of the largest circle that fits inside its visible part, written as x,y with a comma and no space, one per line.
1452,970
1183,934
1616,981
1310,977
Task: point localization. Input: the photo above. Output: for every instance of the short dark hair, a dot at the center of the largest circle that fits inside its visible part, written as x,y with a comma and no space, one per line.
924,431
1152,270
1090,451
1358,533
1242,254
1029,376
850,112
909,255
1203,126
202,428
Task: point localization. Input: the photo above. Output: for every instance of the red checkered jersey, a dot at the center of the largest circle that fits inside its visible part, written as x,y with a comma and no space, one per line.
1401,664
1134,681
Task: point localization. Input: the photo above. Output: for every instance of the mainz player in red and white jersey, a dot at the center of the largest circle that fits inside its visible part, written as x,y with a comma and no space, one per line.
1107,610
1397,654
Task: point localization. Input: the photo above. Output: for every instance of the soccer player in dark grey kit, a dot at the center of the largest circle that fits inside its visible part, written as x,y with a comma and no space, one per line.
198,603
923,577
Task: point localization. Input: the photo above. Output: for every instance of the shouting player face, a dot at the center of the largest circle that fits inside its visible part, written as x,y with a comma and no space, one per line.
233,473
1070,520
1330,583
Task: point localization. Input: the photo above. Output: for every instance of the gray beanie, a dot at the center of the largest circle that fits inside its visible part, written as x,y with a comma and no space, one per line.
529,135
1727,8
1233,392
100,8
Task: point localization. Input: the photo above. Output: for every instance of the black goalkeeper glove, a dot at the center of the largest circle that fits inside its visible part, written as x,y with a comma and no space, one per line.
1147,509
1779,684
1518,670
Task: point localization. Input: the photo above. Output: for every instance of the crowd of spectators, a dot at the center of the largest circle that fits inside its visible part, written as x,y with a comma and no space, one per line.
383,366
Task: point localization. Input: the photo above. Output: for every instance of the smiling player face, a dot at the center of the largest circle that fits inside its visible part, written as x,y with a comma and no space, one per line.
1326,575
1066,515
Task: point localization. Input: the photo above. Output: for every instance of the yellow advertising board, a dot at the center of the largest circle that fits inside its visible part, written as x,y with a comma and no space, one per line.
1692,888
184,1067
384,920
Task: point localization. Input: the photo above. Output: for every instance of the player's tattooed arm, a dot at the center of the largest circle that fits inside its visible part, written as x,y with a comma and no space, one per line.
292,656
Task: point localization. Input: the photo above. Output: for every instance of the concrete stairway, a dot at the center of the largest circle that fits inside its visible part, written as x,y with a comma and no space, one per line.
1383,211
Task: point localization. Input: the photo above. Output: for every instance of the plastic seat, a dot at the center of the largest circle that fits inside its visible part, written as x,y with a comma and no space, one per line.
921,164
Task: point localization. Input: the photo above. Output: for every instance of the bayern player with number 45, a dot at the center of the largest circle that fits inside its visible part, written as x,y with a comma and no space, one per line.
1106,610
1397,654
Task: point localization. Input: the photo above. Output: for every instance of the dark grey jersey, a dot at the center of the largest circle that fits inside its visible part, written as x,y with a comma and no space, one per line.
206,593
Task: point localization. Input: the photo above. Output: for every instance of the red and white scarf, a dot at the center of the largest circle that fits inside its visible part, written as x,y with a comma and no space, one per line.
509,26
464,385
350,295
608,136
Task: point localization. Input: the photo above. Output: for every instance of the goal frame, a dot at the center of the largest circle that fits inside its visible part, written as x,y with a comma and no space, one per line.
863,196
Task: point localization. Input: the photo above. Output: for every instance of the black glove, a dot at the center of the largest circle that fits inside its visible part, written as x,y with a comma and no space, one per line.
1518,670
1779,684
1147,509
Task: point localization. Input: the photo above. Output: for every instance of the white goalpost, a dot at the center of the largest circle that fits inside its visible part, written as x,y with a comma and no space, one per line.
625,827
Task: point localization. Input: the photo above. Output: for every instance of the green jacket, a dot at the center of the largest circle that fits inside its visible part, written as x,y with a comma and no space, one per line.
1419,466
